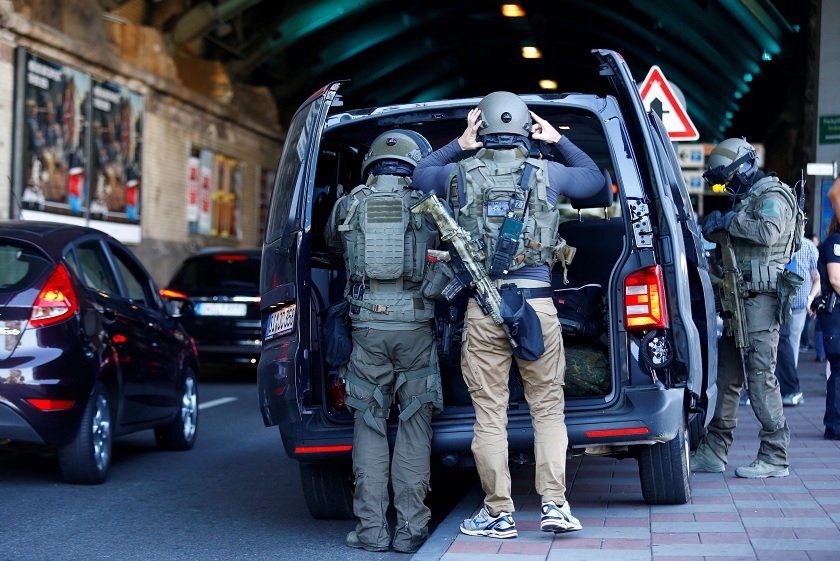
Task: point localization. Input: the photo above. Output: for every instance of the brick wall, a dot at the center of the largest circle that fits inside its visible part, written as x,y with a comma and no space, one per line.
171,127
241,124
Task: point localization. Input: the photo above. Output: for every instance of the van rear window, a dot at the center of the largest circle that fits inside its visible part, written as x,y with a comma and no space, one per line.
208,271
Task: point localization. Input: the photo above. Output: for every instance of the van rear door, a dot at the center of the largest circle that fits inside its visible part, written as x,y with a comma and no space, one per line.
283,370
650,153
700,283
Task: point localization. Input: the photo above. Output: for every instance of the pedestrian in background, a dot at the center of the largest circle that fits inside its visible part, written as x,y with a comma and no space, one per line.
828,317
804,264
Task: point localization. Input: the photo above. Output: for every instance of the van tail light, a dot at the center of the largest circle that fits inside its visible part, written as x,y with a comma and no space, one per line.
645,306
169,293
51,404
232,257
57,300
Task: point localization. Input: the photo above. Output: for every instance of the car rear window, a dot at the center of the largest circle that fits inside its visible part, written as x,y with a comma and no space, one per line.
227,271
20,266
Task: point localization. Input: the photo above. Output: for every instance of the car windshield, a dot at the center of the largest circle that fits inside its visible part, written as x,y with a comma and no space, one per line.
226,271
20,266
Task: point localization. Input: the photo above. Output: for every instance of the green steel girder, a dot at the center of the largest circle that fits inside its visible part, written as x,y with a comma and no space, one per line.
372,34
305,20
758,23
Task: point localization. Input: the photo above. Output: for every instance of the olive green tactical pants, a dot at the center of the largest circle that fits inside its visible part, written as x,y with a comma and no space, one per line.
762,386
378,358
485,363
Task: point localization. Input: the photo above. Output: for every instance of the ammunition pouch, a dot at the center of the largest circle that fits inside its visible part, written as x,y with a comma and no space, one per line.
761,278
436,277
787,284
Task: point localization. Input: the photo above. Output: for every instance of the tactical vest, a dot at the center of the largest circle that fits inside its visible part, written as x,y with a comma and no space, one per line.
385,252
759,263
485,187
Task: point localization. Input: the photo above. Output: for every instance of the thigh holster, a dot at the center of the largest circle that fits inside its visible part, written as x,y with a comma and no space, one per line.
372,412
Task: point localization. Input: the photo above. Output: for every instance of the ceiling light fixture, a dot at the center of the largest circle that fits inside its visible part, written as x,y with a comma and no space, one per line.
548,84
531,52
512,11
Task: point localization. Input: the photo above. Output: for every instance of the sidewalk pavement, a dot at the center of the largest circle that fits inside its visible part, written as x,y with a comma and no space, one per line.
795,518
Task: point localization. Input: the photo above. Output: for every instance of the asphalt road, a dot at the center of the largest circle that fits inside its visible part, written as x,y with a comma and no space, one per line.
235,496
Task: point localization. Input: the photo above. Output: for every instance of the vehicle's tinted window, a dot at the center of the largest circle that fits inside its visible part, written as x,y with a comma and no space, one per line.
70,260
20,266
96,272
134,280
227,271
294,152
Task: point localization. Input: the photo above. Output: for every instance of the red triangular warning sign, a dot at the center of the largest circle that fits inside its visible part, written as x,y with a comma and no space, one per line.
658,95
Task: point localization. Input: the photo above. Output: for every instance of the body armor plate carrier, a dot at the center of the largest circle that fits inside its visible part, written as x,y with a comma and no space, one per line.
385,252
484,190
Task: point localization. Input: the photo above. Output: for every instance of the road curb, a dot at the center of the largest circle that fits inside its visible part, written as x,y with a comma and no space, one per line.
446,532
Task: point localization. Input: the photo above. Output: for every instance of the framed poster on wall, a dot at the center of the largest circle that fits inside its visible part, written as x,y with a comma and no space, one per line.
215,195
56,103
79,145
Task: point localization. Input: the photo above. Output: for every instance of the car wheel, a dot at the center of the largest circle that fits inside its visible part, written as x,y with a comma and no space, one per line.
87,458
328,490
664,470
180,434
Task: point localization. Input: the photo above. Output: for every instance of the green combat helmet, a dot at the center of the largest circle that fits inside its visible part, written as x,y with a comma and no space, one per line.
396,152
504,113
732,166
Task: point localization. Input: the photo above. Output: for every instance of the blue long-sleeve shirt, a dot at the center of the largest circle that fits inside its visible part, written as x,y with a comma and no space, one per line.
580,179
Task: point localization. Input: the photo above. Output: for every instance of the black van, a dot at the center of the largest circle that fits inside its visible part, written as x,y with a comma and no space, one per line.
637,241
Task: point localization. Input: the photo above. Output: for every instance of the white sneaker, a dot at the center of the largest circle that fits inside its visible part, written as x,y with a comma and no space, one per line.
558,519
484,524
793,399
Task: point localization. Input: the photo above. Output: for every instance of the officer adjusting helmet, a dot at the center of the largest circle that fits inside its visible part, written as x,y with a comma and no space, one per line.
505,120
395,152
732,166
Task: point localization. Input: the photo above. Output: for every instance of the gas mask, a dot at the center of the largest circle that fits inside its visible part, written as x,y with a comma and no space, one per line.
734,178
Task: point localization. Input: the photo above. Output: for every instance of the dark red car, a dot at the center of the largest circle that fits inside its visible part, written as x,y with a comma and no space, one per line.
88,349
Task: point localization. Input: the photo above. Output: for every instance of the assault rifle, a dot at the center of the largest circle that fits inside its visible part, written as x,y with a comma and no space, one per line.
466,256
730,292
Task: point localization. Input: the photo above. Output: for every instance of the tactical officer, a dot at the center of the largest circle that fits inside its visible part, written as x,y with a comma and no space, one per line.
393,354
765,229
497,182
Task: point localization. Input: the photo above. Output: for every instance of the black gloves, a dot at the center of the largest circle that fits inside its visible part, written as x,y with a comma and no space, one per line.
715,221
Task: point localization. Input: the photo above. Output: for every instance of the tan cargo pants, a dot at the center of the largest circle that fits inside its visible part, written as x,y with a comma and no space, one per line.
485,362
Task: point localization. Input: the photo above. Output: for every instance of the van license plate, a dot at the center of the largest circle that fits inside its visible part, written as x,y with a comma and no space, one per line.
280,322
221,309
